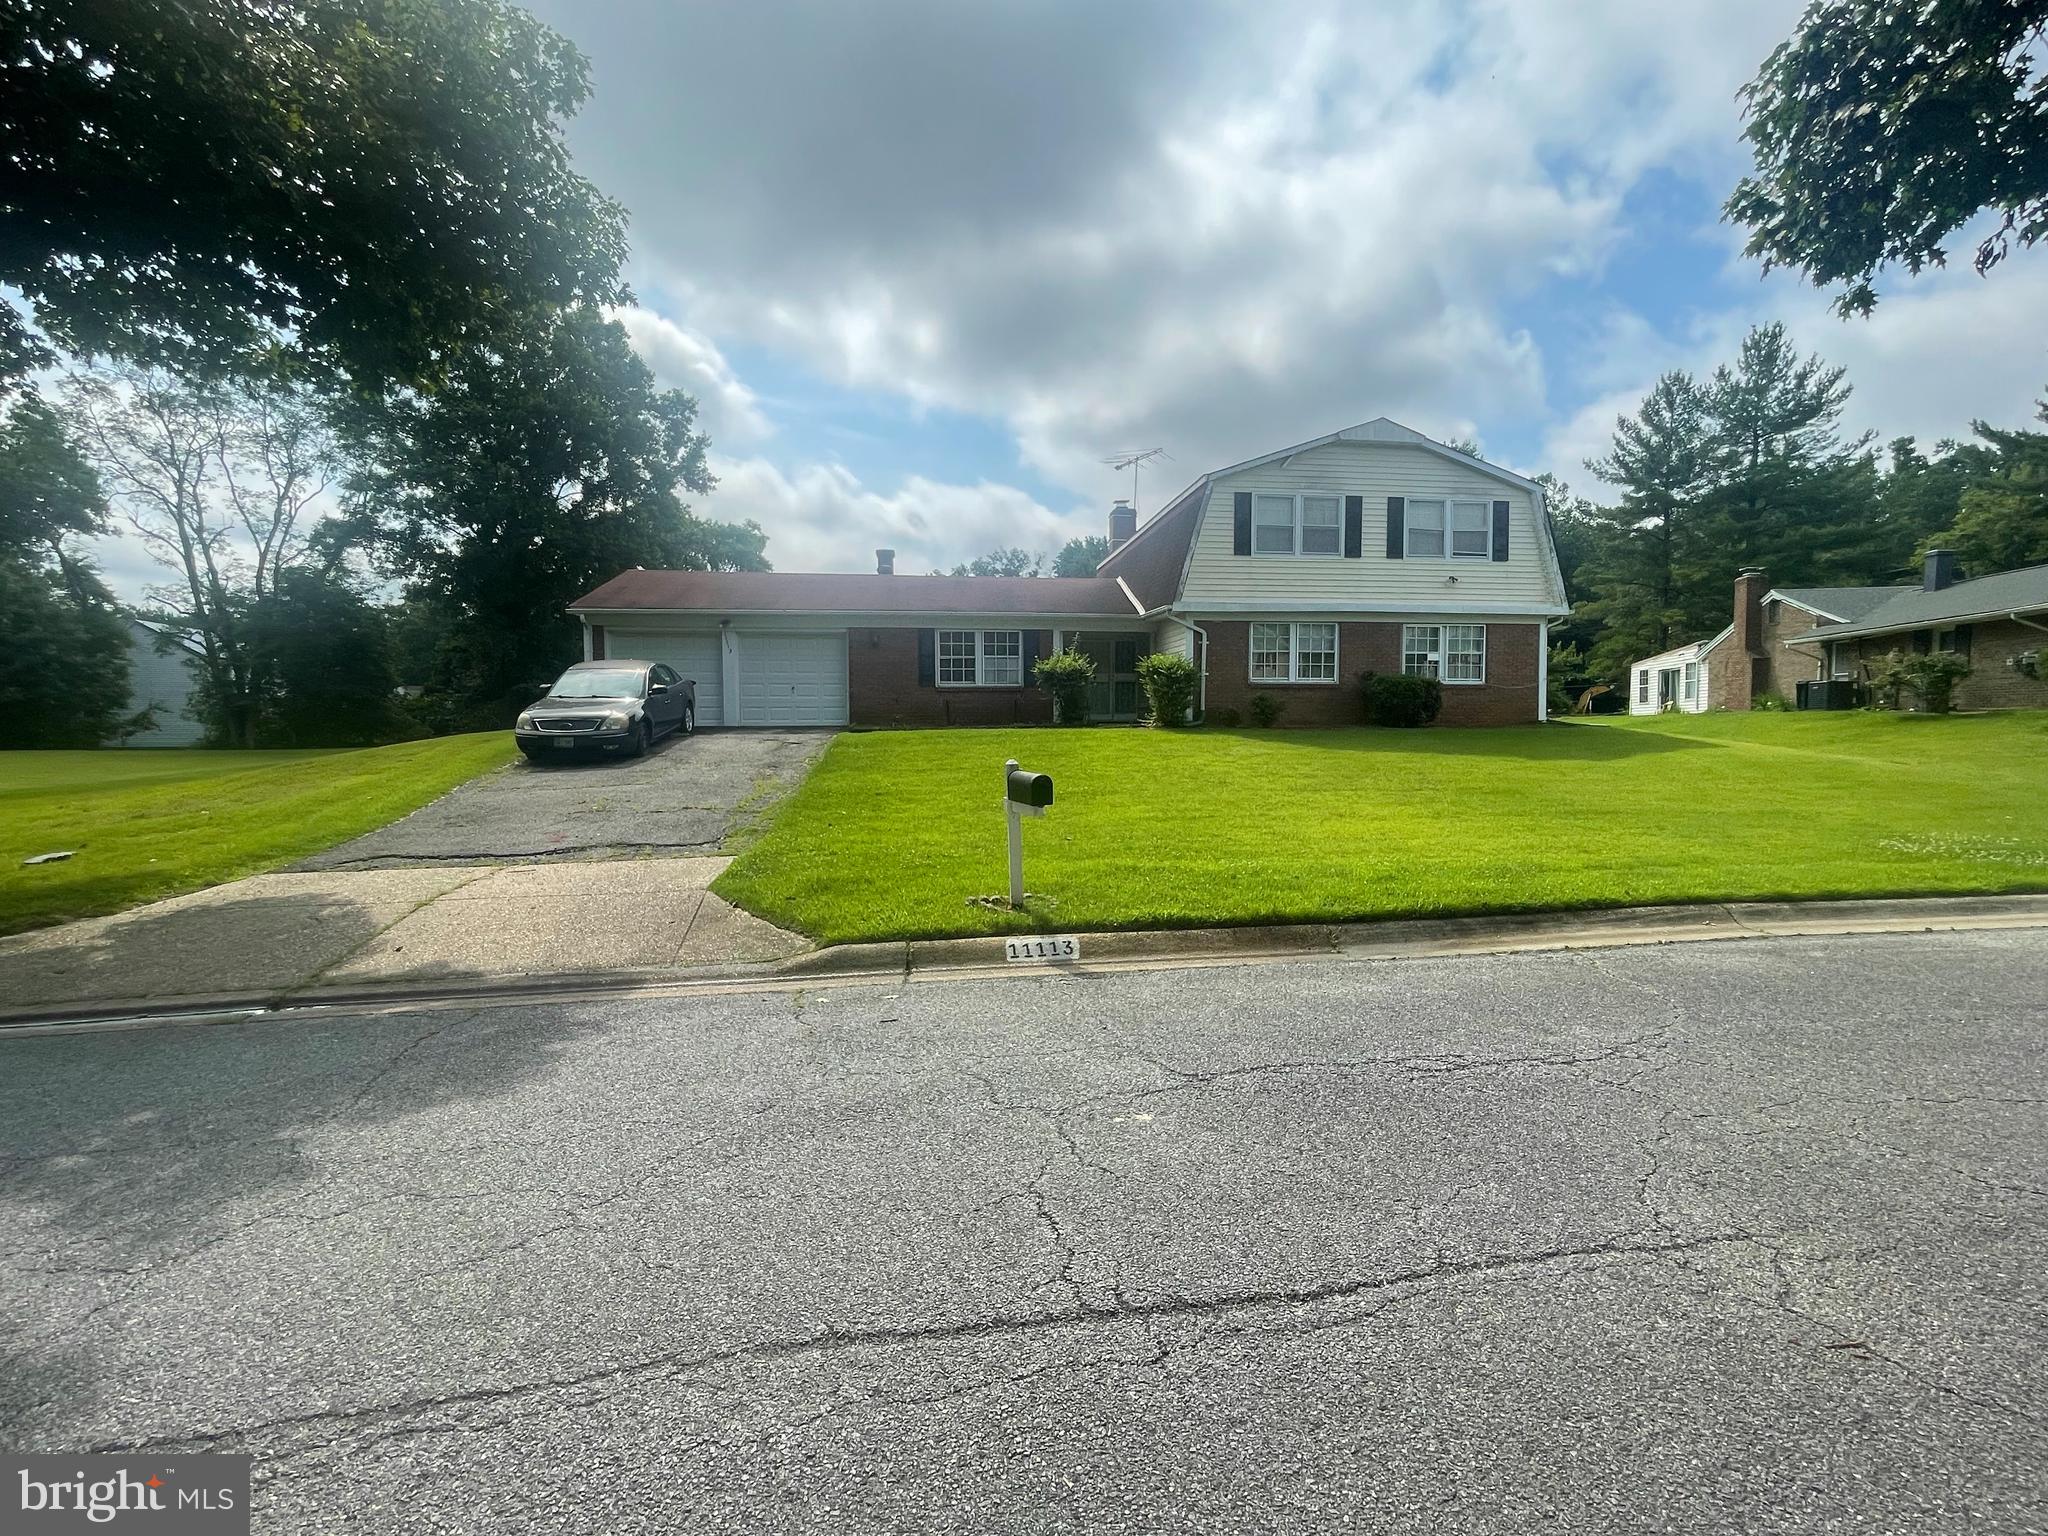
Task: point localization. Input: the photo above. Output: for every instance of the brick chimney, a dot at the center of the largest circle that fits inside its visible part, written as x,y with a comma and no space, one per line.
885,562
1123,523
1746,653
1940,572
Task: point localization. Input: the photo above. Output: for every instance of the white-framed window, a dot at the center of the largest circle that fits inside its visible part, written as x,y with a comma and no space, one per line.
1453,653
1691,689
1944,639
1294,653
1437,529
1642,685
980,658
1309,524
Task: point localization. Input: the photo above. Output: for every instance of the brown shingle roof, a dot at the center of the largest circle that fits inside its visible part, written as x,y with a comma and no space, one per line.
726,592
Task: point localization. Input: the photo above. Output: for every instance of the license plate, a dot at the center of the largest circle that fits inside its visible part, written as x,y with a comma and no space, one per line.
565,744
1062,947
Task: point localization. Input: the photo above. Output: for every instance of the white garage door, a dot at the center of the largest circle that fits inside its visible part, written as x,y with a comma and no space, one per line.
695,656
793,679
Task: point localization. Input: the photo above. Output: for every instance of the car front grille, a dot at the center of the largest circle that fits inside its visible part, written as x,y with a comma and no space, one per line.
568,722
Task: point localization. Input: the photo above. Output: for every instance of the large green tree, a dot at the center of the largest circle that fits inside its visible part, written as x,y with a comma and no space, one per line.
1006,561
1792,494
1080,557
1883,126
545,463
1647,553
369,182
2001,518
65,679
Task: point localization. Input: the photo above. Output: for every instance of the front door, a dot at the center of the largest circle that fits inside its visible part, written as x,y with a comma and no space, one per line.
1114,693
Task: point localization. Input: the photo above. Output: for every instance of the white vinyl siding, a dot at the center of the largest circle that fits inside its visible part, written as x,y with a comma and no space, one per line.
1691,688
1293,653
980,658
1372,471
163,681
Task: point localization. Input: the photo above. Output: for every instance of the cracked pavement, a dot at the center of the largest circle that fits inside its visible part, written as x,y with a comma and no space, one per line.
1711,1237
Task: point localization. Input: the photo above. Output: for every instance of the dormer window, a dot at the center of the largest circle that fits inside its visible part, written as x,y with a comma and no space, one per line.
1468,525
1309,524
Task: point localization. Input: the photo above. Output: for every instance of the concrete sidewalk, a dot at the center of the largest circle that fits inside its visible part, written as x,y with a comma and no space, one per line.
271,937
650,925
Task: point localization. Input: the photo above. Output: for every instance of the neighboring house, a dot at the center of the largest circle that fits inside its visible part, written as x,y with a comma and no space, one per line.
163,680
1780,637
1371,549
1680,679
1994,621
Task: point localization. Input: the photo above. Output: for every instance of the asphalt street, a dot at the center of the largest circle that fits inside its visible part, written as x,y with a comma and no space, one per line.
1716,1237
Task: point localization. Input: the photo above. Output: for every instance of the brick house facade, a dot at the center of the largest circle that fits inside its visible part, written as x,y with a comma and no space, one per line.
1353,536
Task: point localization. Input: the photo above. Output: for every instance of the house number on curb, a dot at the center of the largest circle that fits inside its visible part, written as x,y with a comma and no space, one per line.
1064,947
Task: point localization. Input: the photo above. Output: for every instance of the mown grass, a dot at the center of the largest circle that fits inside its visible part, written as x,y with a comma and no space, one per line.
144,825
895,834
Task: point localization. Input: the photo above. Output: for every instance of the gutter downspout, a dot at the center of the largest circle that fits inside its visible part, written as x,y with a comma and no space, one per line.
2028,622
1543,672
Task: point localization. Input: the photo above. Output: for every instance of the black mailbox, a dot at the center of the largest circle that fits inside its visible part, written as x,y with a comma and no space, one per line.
1030,788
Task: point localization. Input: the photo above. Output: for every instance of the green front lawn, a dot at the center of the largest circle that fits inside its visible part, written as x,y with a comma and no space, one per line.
894,834
148,824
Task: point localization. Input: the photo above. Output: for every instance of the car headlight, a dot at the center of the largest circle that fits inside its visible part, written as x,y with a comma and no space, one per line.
617,722
525,723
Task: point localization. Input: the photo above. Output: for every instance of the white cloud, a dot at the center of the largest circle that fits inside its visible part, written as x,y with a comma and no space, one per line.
1209,227
821,518
1936,354
682,359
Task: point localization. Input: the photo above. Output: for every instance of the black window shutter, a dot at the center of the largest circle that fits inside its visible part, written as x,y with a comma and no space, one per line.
1241,523
927,657
1500,530
1354,527
1030,654
1397,527
1963,640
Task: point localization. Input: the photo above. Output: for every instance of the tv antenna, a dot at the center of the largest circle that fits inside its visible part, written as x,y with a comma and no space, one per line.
1132,461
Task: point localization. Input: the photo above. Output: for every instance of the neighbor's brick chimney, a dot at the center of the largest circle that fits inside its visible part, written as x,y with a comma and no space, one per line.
1123,522
1746,653
885,562
1940,572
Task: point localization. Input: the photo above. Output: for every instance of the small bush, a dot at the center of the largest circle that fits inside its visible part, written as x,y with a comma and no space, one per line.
1396,699
1932,675
1769,703
1066,675
1169,683
1223,719
1265,710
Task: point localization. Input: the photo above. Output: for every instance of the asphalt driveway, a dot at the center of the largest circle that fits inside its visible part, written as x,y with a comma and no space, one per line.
1723,1237
685,797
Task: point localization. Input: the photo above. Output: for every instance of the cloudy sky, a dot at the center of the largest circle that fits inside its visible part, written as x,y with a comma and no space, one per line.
925,263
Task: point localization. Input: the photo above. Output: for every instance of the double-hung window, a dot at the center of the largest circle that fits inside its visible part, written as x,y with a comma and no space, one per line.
1310,524
1691,689
1294,653
1461,529
986,658
1642,685
1453,653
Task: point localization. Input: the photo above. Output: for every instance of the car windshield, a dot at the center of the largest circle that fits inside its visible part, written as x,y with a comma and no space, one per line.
597,685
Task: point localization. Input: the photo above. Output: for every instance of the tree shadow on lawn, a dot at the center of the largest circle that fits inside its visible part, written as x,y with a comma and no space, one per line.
1555,742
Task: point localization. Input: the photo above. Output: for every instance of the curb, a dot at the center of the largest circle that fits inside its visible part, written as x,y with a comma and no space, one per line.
1141,949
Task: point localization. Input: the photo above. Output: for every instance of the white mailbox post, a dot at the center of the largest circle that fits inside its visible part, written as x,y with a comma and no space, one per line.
1024,794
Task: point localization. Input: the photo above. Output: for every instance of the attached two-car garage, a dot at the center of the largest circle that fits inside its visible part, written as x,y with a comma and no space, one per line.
750,677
